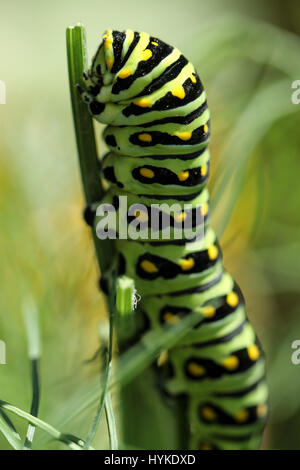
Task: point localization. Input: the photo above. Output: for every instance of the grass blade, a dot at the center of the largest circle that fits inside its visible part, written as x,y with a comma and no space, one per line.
111,423
11,436
31,321
142,355
54,433
9,431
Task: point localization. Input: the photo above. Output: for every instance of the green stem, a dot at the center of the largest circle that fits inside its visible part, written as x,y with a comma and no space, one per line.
34,404
157,425
85,136
105,387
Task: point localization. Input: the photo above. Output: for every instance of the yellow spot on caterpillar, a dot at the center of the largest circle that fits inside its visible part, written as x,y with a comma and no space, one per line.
142,216
145,137
180,217
163,357
242,416
208,311
253,352
154,43
146,54
193,78
212,252
183,175
232,299
205,128
203,170
187,264
186,135
143,102
147,173
179,92
208,413
204,209
107,43
124,73
231,363
109,63
148,266
195,369
171,318
262,410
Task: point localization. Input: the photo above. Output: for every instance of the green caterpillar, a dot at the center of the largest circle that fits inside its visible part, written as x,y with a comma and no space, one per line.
158,129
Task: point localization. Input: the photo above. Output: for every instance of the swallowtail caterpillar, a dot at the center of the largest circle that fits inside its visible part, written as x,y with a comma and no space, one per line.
158,127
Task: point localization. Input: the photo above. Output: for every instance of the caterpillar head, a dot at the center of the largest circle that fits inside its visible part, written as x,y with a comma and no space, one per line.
107,58
99,78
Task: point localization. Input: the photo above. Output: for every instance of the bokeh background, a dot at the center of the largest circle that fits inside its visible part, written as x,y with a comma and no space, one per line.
247,55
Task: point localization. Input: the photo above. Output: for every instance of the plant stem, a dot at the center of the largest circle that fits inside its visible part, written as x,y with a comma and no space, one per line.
105,386
85,137
153,424
34,404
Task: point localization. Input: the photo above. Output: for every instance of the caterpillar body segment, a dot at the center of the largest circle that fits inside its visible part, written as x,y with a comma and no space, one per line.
158,219
158,129
165,177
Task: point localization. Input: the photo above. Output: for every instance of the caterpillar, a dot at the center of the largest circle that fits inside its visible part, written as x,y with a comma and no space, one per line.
157,131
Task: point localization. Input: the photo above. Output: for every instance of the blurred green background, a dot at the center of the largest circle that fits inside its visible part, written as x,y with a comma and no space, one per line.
247,55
